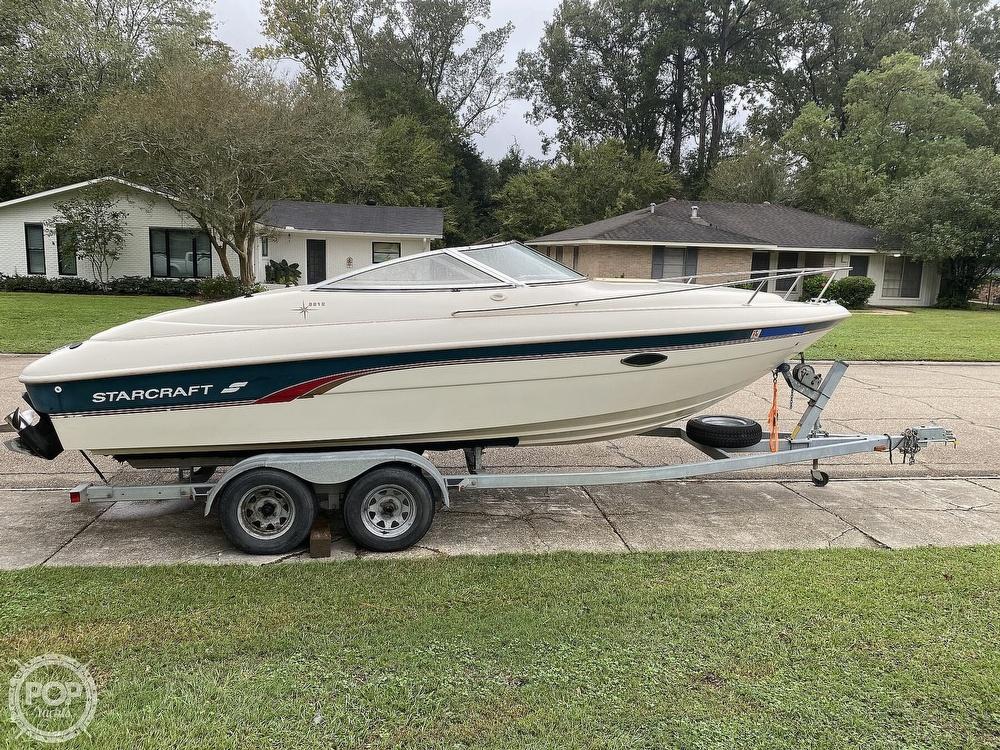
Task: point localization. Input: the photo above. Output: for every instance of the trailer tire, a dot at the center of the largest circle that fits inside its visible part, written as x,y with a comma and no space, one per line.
388,509
267,512
724,431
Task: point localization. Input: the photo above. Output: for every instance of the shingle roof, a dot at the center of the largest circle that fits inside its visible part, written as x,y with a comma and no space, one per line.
751,224
340,217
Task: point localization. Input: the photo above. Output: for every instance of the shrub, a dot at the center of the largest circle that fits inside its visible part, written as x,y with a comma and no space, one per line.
225,287
282,272
66,285
852,291
813,285
140,285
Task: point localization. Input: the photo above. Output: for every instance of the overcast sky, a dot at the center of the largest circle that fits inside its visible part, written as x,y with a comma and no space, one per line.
239,26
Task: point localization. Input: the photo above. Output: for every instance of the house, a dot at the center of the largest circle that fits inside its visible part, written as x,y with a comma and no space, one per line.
325,239
682,238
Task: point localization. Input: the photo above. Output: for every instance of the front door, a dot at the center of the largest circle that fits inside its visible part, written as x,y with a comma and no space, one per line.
315,261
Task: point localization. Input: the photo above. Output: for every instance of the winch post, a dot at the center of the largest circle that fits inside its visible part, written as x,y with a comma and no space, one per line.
818,397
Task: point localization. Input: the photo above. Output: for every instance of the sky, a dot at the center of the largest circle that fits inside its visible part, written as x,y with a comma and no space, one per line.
239,27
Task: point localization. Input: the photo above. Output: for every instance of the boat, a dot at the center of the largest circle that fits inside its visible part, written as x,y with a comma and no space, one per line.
458,347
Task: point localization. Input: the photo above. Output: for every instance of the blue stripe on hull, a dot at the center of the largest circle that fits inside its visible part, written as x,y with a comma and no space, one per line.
219,386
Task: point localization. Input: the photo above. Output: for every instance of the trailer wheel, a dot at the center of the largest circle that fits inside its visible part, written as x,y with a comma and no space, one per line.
388,509
724,431
267,512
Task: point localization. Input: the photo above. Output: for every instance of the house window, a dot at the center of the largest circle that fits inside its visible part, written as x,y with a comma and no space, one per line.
382,251
902,277
859,265
559,254
67,258
179,254
787,261
760,264
34,243
263,247
671,262
576,256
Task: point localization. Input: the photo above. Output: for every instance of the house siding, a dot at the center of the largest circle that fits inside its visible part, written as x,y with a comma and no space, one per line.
343,252
142,211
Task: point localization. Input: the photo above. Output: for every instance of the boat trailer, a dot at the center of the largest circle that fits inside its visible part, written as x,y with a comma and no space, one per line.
267,503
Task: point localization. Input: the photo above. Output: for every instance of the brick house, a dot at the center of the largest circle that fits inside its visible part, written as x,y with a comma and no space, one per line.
682,238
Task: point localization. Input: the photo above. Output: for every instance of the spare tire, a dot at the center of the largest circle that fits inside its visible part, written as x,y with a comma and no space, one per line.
724,431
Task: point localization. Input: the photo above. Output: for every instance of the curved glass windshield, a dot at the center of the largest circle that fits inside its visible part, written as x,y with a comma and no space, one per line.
425,271
522,263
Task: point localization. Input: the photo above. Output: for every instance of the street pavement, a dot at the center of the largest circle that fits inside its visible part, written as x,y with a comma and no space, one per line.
950,497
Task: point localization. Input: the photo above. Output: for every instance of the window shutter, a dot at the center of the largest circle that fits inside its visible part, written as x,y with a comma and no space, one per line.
658,253
690,261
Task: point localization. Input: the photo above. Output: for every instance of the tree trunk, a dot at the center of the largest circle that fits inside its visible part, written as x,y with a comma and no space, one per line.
245,251
959,279
718,119
677,112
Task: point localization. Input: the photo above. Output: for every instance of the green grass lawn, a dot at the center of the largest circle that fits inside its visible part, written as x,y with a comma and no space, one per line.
35,322
967,335
833,649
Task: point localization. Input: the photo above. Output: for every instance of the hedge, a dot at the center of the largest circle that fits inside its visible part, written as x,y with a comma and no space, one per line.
216,288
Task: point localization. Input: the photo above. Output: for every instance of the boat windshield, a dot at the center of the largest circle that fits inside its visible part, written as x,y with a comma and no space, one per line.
522,263
434,271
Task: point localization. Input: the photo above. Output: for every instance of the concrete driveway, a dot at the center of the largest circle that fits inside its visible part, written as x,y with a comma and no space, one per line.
951,497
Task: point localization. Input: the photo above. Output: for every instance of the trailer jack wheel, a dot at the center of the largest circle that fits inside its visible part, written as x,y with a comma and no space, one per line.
819,478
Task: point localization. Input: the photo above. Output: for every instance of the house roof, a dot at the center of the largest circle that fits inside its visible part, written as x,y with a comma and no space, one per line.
77,186
718,223
307,215
341,217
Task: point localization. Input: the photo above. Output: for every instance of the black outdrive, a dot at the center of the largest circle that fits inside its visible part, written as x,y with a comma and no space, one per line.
35,434
724,431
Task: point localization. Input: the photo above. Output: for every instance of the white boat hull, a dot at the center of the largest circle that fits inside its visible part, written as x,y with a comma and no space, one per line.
535,401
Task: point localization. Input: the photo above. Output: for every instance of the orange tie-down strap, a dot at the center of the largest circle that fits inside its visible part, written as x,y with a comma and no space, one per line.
772,417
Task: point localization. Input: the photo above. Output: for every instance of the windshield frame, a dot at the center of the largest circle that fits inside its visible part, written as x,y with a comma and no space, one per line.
502,280
576,277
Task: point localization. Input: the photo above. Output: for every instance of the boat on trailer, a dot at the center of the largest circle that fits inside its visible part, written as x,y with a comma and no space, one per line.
460,347
326,396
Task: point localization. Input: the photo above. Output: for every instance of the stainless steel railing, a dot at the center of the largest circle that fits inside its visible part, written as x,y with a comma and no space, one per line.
758,279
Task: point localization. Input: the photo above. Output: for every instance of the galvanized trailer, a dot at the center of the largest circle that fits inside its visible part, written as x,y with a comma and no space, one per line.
268,502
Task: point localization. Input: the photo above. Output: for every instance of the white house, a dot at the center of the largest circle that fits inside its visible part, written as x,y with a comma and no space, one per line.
325,239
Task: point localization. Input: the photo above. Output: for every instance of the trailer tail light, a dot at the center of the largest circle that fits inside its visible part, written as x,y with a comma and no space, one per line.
79,493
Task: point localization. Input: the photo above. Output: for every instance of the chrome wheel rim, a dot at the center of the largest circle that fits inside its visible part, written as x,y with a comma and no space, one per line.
388,511
266,512
724,421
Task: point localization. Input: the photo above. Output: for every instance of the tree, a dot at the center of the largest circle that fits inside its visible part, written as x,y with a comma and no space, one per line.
392,49
589,183
899,122
651,73
827,43
58,58
92,227
756,172
603,70
949,214
241,140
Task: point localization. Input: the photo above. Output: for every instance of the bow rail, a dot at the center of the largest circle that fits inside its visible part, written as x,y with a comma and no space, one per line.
758,281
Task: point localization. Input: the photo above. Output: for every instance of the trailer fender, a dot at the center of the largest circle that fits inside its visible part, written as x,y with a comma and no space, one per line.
331,468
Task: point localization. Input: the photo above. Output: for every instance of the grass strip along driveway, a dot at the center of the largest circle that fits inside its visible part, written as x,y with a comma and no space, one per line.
841,648
36,323
923,333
